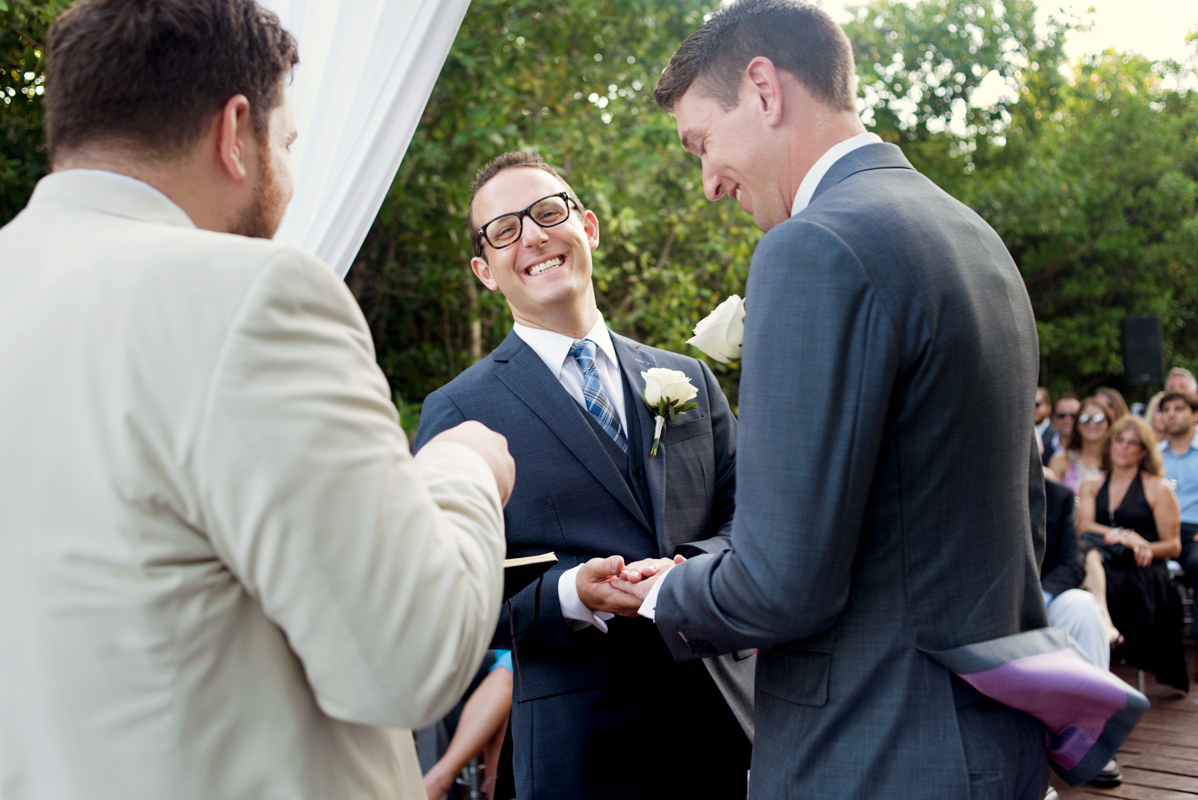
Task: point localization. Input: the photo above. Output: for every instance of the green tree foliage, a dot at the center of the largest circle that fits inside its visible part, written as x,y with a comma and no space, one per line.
23,26
1088,171
1099,211
573,81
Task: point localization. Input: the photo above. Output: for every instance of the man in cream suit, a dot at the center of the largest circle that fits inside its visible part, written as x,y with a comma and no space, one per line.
222,575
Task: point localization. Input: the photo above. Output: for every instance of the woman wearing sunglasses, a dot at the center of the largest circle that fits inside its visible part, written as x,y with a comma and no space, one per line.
1131,520
1082,456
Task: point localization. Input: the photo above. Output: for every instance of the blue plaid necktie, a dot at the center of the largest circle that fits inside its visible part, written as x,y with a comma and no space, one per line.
596,399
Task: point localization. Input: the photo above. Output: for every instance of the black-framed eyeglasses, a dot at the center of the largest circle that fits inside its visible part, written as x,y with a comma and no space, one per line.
1064,414
505,229
1097,419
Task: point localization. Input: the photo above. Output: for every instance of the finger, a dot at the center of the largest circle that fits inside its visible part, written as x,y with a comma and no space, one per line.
680,558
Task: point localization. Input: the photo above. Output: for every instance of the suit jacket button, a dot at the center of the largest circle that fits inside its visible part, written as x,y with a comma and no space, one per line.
637,472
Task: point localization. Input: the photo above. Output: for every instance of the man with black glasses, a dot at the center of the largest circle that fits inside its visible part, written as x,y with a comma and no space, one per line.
601,710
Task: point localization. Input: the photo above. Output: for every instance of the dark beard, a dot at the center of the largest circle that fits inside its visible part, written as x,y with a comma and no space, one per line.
261,216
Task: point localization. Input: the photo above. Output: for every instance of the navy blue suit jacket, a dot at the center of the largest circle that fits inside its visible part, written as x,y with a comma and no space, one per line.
571,498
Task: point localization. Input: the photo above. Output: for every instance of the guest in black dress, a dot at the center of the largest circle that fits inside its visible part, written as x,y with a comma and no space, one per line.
1131,516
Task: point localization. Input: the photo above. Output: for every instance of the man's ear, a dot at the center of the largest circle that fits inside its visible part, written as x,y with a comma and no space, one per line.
483,271
590,224
764,87
234,134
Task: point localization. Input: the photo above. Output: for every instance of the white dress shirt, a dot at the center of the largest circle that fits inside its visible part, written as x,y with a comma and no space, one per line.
803,196
554,349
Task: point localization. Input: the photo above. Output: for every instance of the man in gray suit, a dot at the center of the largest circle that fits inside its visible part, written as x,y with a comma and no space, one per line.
903,517
592,677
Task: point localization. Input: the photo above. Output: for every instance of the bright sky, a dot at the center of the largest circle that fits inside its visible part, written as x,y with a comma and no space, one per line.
1154,28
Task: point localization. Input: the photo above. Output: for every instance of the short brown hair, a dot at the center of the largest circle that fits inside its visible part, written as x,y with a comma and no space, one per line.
517,158
148,74
1189,399
798,37
1151,461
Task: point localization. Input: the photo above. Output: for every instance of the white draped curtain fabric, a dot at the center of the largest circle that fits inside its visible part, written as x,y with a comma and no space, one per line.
367,68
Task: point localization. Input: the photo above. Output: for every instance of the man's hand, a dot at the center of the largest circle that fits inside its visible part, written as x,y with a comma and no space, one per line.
642,575
643,570
596,589
491,446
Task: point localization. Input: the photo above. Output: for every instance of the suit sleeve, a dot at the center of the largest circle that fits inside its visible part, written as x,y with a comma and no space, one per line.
383,571
536,615
820,360
1070,570
723,429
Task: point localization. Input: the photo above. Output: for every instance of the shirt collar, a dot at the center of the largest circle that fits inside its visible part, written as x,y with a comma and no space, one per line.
554,348
134,181
1043,426
817,172
1163,446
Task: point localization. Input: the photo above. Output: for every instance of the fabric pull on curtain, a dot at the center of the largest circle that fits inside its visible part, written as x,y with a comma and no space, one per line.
367,68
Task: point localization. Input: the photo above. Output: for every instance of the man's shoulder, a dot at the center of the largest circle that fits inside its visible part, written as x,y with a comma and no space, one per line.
477,381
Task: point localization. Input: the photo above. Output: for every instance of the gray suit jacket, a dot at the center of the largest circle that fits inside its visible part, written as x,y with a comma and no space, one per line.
570,497
890,500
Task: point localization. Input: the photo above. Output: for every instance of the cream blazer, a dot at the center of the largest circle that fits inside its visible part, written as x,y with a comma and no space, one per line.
222,574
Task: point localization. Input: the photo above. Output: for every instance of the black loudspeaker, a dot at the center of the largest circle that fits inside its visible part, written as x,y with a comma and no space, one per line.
1142,359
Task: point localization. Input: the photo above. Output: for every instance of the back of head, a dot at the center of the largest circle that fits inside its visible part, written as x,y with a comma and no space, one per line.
1114,400
1183,373
797,37
145,76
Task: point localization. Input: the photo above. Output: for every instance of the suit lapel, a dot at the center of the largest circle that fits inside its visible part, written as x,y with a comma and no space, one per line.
531,381
634,359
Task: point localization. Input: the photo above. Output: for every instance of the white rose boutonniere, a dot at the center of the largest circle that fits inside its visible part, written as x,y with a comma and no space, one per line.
720,333
667,392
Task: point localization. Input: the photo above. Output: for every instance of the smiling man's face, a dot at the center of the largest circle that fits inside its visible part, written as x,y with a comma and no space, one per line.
729,145
546,273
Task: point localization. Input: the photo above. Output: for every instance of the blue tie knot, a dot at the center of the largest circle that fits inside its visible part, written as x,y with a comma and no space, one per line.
583,351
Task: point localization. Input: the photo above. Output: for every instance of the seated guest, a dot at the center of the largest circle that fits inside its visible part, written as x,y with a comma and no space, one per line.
1132,519
1070,608
1042,414
1061,574
1156,419
1082,456
1181,380
1180,456
480,731
1064,416
1114,401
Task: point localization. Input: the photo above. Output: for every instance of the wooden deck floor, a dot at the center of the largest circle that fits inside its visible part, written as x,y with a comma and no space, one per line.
1160,757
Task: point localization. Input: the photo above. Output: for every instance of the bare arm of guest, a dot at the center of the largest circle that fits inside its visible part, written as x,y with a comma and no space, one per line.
1086,494
1059,463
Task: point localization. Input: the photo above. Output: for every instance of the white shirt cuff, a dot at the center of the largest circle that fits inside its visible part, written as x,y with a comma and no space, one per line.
573,608
649,606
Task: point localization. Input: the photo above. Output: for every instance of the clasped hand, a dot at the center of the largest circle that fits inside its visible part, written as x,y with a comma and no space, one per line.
1134,542
608,584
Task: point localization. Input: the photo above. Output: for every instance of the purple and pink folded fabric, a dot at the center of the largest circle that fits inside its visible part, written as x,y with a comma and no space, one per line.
1087,712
